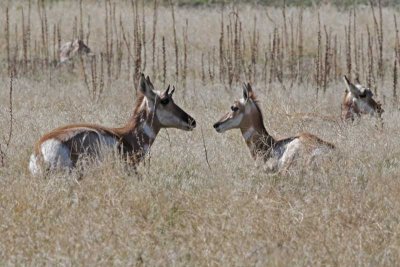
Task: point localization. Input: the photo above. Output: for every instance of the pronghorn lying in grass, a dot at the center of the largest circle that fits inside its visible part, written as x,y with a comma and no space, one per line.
358,100
246,115
71,49
62,147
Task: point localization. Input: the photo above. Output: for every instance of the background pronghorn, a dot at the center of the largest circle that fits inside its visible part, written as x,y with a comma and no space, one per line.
359,100
71,49
246,115
62,147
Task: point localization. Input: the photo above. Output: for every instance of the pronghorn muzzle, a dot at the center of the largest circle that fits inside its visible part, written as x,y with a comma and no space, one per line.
191,122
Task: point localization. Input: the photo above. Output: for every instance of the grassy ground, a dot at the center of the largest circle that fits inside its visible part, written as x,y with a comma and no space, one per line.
178,210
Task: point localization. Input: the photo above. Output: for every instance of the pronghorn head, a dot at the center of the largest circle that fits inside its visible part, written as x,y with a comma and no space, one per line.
80,47
359,100
244,113
168,114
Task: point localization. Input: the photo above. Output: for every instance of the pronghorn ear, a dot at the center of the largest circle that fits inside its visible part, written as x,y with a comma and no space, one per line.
357,80
146,87
245,92
353,89
250,90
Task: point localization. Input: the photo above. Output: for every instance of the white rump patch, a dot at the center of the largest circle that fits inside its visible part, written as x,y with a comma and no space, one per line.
291,151
33,165
56,154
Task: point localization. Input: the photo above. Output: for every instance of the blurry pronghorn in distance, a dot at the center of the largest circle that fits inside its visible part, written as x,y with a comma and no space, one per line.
62,147
246,115
70,49
358,100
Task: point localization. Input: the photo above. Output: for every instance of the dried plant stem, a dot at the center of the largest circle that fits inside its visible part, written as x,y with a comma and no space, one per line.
85,78
8,41
205,148
4,150
379,32
164,62
175,41
221,49
185,53
348,48
300,47
327,66
138,45
370,75
395,78
355,47
318,58
81,32
144,38
155,13
203,73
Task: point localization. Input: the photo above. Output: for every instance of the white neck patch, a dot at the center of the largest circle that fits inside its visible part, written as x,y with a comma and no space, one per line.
149,131
249,133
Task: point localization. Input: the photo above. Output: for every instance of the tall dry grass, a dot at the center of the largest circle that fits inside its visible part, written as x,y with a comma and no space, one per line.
184,208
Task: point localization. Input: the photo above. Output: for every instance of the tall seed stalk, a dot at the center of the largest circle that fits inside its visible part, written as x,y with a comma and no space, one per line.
175,41
153,40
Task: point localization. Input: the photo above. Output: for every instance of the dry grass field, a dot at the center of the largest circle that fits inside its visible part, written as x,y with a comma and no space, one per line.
179,210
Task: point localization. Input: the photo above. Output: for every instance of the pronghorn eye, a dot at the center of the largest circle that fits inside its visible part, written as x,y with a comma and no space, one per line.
164,101
234,108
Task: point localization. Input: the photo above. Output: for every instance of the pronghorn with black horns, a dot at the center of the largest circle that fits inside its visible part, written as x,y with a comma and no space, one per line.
246,115
358,100
62,147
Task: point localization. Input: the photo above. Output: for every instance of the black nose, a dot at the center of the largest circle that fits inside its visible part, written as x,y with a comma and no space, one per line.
216,125
192,122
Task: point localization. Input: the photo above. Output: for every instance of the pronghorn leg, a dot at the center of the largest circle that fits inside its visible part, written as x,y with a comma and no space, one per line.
271,165
288,157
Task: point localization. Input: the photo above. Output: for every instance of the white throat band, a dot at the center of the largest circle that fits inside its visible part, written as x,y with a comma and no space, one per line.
149,131
249,133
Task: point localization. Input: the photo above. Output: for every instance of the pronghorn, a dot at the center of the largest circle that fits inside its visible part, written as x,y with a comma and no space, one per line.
62,147
70,49
358,100
246,115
